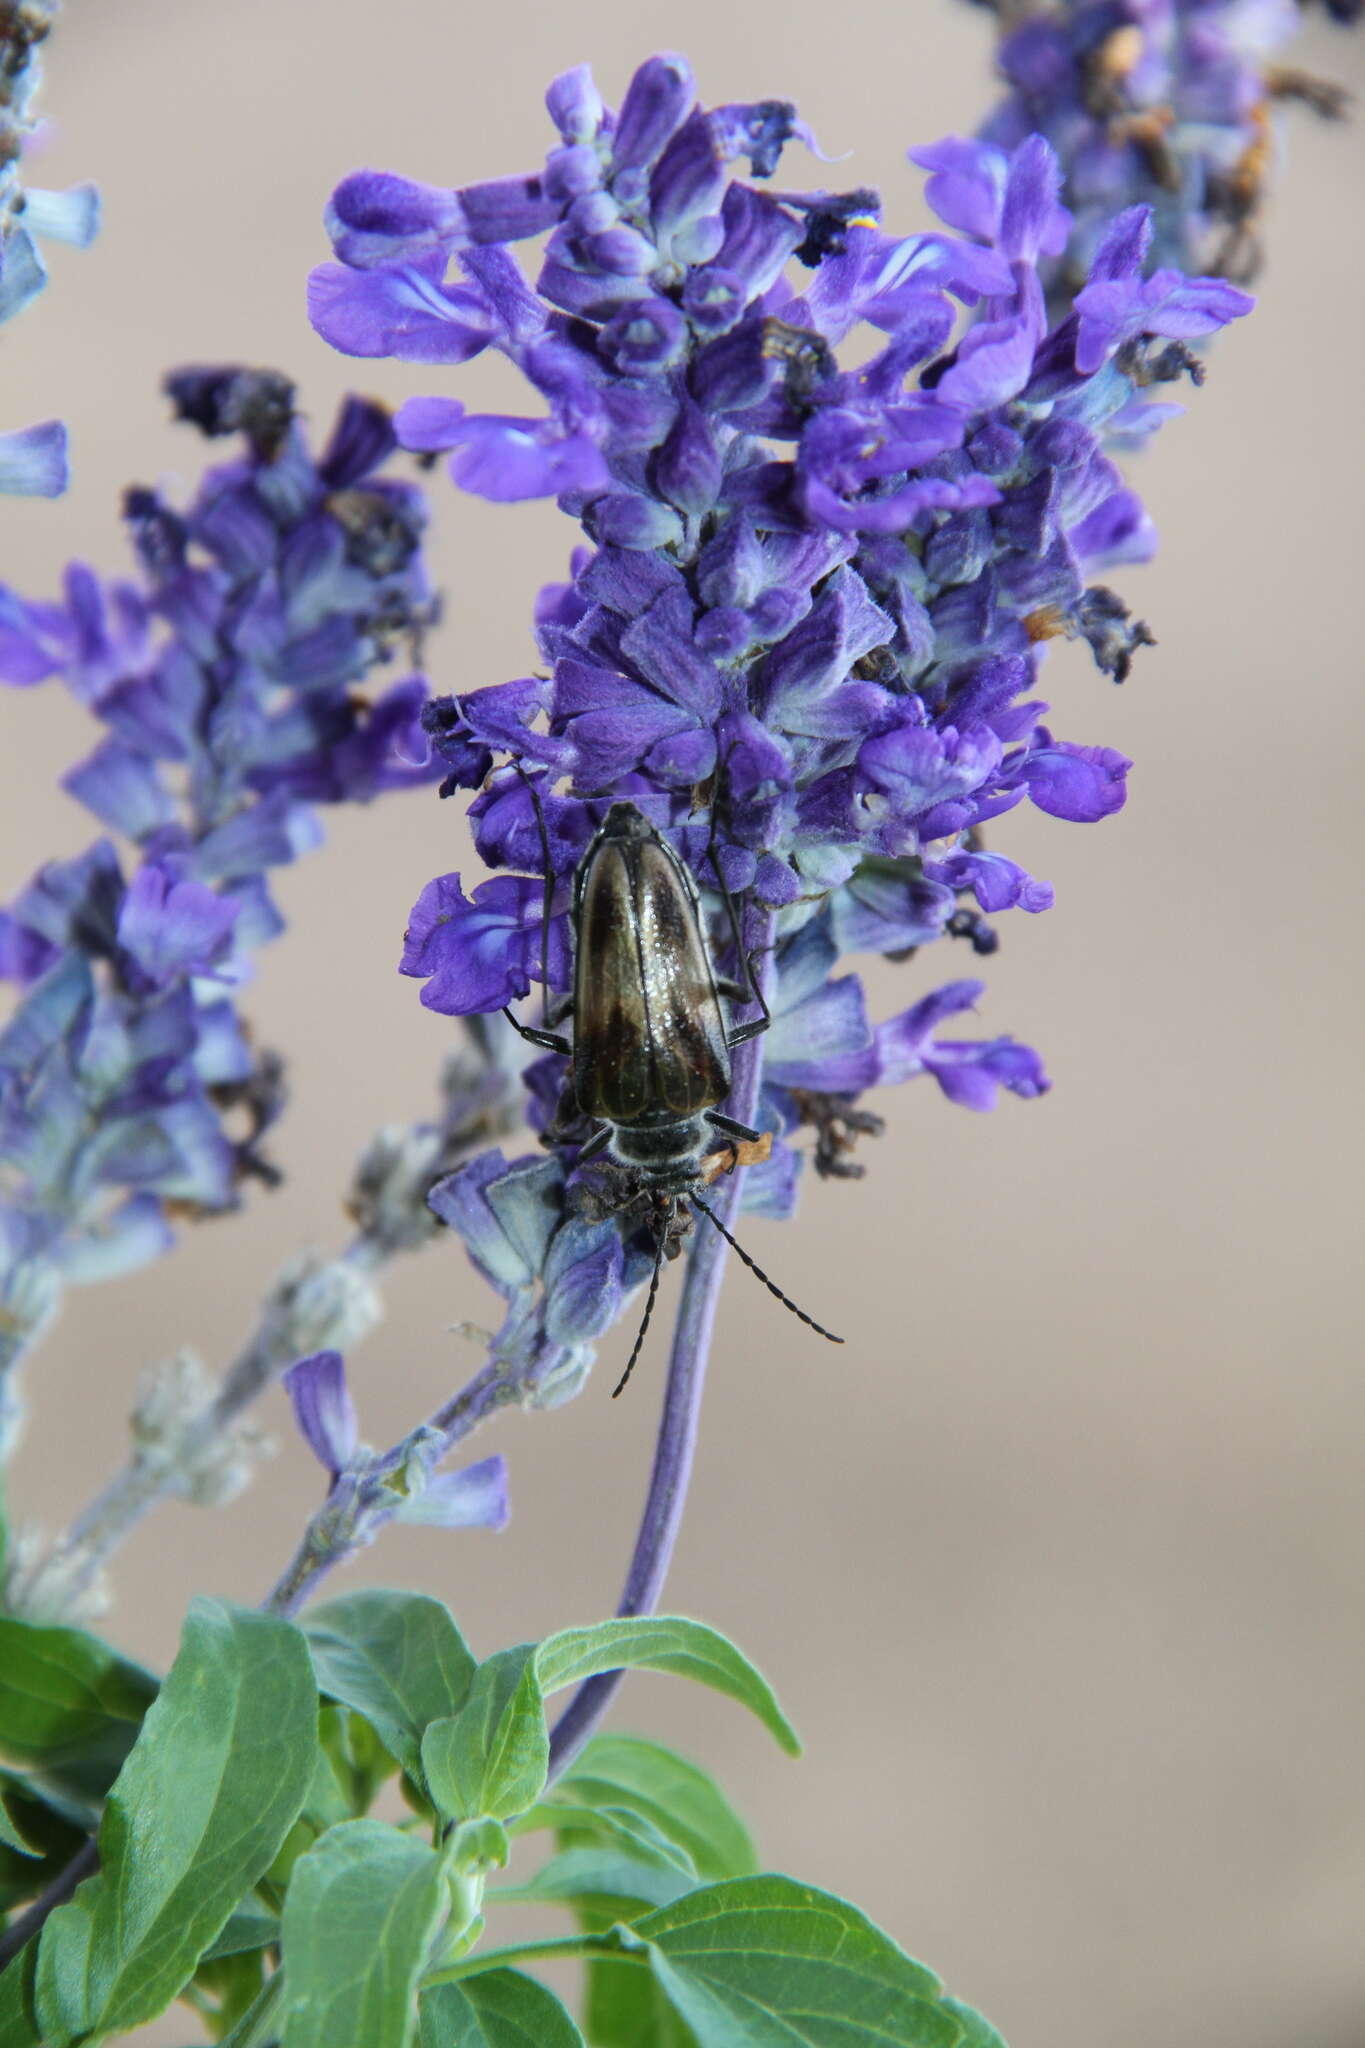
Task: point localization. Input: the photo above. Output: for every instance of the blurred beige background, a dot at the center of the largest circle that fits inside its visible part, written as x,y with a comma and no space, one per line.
1058,1565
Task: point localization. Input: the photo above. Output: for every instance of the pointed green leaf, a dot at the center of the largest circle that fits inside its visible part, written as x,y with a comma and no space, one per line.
69,1704
11,1834
501,2010
396,1658
611,1827
589,1878
492,1757
676,1798
663,1642
775,1964
210,1789
361,1913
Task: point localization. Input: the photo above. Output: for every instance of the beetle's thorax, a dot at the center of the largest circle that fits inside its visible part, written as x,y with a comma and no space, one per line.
666,1155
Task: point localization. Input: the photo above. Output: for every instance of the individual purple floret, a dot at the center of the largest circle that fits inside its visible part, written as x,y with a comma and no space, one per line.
33,460
806,634
366,1489
1162,103
227,678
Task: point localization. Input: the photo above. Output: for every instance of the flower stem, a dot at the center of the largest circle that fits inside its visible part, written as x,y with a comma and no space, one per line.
60,1582
678,1423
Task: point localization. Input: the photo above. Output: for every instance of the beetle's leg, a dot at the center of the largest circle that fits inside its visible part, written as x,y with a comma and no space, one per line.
546,902
731,1127
551,1040
596,1144
736,991
742,1033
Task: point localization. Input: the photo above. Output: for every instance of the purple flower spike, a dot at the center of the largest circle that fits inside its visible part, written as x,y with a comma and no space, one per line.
230,680
1156,108
323,1409
807,632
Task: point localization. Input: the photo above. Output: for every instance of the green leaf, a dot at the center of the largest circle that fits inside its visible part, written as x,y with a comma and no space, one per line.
773,1964
40,1831
251,1927
11,1835
256,2027
604,1880
492,1757
69,1704
610,1827
624,2008
396,1658
675,1797
501,2010
359,1918
233,1984
18,2022
211,1787
353,1763
670,1801
663,1642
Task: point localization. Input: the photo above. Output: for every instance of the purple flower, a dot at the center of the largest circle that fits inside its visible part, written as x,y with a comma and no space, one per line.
323,1409
478,953
970,1072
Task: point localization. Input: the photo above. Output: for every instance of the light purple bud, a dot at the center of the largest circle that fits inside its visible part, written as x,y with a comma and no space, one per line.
655,105
575,104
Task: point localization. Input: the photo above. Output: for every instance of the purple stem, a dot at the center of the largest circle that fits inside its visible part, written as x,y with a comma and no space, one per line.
678,1424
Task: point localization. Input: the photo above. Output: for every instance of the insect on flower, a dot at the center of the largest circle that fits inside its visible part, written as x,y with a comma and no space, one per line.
650,1053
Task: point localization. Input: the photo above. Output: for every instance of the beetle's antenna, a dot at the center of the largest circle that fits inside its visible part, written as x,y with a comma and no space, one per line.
759,1274
544,831
644,1321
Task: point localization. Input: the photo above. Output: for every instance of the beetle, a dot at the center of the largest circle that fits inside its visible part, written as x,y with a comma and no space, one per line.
650,1052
